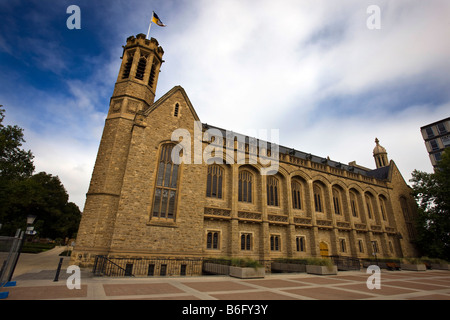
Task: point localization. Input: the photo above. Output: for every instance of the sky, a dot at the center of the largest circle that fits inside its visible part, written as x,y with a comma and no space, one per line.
329,75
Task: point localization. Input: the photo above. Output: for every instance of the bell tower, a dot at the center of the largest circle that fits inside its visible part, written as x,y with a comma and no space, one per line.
138,76
134,92
380,155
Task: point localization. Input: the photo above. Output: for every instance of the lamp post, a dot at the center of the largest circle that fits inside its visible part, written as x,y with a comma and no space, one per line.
29,231
374,246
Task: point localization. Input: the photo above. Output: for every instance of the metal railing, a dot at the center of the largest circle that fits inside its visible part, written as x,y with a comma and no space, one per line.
144,267
9,254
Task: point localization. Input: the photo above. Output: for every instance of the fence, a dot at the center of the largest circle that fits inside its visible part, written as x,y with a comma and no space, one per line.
9,254
131,267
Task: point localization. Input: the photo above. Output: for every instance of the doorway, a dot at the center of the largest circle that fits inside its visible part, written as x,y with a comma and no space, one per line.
323,249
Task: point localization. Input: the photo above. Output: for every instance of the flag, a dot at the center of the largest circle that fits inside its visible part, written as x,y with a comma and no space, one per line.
155,19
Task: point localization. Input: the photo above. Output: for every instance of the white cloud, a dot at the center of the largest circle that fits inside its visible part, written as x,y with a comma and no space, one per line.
255,65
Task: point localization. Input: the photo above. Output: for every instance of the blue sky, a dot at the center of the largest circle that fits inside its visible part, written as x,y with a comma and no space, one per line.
311,69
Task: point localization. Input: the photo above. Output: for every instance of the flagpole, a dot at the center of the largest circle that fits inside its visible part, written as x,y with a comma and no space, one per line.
149,26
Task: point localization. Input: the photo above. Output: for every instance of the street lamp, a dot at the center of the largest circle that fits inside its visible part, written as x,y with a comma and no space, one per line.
29,231
375,249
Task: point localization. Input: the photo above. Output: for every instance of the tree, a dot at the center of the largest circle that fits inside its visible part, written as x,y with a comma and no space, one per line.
14,162
432,193
22,193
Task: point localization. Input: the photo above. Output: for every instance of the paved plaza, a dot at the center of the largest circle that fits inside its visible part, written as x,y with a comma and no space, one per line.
38,283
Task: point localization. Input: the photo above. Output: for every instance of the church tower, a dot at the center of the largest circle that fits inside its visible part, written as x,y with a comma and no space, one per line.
134,92
380,155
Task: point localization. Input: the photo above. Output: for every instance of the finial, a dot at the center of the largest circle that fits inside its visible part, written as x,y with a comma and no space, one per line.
377,141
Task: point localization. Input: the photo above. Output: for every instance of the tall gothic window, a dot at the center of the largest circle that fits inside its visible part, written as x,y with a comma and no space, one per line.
317,198
127,66
336,202
151,78
296,195
140,70
166,185
214,182
245,186
353,204
272,191
369,206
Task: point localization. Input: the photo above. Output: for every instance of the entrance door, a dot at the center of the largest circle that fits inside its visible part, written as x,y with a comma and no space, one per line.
323,249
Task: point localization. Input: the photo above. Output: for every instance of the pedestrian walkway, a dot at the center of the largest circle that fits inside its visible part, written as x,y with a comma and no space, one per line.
348,285
35,275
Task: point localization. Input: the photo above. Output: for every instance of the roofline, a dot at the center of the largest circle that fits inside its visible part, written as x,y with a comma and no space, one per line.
434,123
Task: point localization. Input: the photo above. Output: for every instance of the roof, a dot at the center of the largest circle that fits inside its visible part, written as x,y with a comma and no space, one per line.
377,173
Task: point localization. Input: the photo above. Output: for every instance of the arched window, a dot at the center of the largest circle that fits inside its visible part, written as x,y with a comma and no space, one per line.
212,240
164,203
317,198
214,182
300,243
336,201
151,78
353,204
140,70
246,241
245,186
296,195
369,206
383,207
127,66
272,191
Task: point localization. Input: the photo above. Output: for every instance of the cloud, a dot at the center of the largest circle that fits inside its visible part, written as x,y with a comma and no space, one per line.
309,68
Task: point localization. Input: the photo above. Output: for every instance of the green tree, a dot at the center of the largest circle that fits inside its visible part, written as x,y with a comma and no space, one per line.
22,193
14,161
432,193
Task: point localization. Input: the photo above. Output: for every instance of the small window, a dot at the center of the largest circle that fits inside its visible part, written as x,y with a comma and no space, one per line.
343,245
446,141
212,240
361,246
275,243
430,132
437,156
434,145
300,243
246,241
441,128
177,109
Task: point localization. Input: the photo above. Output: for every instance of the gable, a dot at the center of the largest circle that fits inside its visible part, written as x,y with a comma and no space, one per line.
175,91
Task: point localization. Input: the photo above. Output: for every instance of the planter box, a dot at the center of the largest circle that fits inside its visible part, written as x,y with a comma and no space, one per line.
216,268
413,267
247,273
438,266
288,267
321,270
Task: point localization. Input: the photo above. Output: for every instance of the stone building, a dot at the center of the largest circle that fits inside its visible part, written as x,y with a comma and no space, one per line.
144,203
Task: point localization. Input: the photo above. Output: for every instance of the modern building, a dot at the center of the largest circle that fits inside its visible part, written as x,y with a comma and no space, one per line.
437,137
215,193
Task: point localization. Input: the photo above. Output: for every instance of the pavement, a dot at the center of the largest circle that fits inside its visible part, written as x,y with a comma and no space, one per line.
35,275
